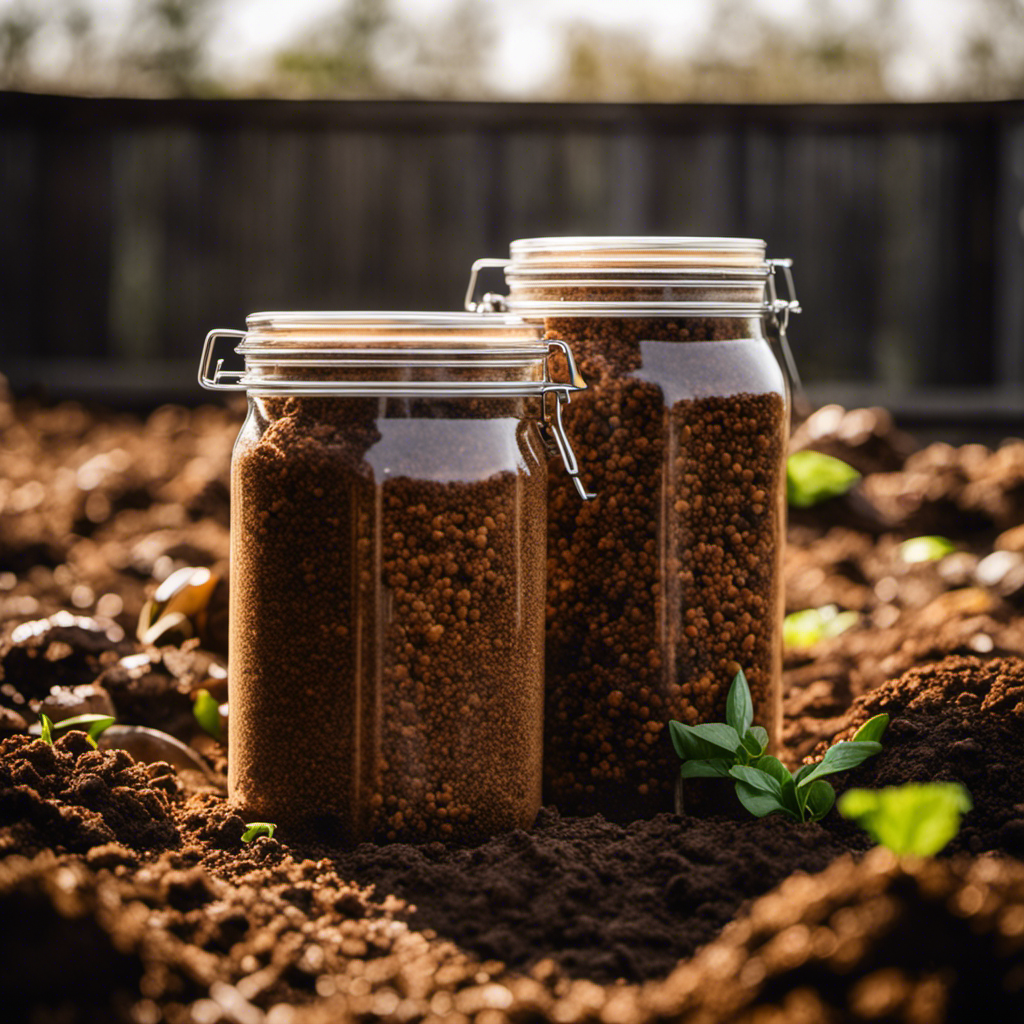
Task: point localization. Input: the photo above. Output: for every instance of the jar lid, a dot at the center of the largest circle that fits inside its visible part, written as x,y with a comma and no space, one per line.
626,251
345,352
639,275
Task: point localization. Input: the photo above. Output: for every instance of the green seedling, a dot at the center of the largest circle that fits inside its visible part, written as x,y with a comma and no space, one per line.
926,549
254,829
207,713
92,725
712,749
806,628
764,785
918,819
812,478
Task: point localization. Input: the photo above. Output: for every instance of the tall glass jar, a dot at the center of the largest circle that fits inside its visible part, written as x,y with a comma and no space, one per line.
388,507
667,584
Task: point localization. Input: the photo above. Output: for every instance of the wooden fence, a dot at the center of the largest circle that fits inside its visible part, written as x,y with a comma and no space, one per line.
130,227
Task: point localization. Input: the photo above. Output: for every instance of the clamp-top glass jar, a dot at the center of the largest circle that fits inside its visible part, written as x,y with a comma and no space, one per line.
388,498
668,583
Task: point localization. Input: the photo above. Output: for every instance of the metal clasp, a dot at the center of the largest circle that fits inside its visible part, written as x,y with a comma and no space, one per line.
781,308
780,311
491,302
553,430
220,379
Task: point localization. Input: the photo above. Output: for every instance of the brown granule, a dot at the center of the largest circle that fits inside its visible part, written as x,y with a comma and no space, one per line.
387,606
668,583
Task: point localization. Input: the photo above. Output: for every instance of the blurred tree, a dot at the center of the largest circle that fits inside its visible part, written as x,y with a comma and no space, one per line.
992,56
18,28
744,56
164,50
339,56
365,49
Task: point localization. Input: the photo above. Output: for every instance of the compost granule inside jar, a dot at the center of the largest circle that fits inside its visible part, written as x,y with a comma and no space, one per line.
387,638
668,583
70,797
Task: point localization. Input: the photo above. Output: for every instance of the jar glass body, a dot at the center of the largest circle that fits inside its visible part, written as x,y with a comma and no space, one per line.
668,583
387,614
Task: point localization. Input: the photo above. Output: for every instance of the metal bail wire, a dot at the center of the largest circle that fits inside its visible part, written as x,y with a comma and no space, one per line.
492,302
562,392
220,379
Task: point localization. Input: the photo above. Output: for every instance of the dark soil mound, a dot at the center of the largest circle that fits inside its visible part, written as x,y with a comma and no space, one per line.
959,720
924,942
70,798
603,901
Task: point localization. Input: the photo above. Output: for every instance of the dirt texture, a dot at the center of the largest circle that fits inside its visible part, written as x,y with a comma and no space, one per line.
131,875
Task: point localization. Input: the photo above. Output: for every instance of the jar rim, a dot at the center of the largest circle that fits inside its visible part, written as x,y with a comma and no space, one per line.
341,326
636,243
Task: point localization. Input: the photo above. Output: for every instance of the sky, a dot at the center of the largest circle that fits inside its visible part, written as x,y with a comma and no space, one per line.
247,32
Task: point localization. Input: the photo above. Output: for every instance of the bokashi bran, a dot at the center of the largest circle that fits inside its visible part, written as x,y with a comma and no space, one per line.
666,584
387,650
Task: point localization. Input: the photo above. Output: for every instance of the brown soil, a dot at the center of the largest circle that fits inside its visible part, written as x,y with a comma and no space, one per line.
135,899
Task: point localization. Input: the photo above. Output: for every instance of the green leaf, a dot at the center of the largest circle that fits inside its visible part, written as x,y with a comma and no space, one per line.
207,713
777,770
774,767
714,769
803,771
703,742
812,477
871,731
46,727
95,725
917,819
819,800
812,625
840,758
258,828
760,734
756,778
926,549
758,802
739,708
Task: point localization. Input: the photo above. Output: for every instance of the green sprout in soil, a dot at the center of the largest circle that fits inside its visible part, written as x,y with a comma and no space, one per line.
926,549
806,628
254,829
92,725
918,819
812,477
764,785
207,714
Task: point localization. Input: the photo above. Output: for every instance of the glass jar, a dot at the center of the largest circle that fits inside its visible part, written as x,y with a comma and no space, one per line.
668,583
388,508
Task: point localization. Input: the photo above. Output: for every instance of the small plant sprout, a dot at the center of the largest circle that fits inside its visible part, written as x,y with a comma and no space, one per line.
46,729
254,829
207,713
92,725
764,785
710,750
926,549
812,478
917,819
806,628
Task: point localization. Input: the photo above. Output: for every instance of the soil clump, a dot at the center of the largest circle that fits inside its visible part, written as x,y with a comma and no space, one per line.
959,720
